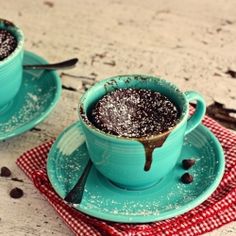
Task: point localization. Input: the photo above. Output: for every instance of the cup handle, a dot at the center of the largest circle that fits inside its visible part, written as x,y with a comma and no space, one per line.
195,119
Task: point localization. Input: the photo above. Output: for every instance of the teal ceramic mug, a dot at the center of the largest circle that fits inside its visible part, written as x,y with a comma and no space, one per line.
11,69
123,160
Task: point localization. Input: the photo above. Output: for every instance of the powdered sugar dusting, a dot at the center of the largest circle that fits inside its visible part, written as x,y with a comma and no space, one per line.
33,97
8,44
134,113
33,106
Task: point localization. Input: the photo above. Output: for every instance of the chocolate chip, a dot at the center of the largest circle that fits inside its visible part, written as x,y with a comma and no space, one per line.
187,178
188,163
5,172
232,73
16,193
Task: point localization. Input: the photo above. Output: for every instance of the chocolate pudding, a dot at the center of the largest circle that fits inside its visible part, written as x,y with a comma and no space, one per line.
134,113
8,43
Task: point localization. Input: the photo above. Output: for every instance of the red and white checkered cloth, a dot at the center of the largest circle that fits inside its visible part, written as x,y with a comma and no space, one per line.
219,209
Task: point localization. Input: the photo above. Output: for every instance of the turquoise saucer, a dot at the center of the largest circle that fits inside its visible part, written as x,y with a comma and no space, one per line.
170,197
38,95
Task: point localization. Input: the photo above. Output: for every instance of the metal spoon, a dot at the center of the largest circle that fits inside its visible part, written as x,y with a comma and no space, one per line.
60,65
76,193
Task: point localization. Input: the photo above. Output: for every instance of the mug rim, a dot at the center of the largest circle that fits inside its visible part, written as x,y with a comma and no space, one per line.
95,130
17,32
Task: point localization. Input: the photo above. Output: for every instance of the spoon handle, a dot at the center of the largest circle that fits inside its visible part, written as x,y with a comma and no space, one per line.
76,193
60,65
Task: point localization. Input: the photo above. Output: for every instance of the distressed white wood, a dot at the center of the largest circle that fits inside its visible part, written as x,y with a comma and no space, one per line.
191,43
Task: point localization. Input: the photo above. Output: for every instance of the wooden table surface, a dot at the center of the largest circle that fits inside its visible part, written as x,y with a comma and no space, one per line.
191,43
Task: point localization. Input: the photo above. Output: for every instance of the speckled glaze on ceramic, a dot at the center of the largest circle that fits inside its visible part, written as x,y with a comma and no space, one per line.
168,198
11,69
122,160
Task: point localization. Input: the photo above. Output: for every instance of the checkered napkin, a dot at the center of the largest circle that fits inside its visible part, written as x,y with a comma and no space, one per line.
219,209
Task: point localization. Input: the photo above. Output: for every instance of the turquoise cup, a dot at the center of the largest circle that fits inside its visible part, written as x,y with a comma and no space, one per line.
123,160
11,69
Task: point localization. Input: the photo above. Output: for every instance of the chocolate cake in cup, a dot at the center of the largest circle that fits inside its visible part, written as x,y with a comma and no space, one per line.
11,58
133,149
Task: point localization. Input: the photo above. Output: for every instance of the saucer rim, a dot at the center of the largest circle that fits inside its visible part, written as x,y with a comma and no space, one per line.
32,123
149,218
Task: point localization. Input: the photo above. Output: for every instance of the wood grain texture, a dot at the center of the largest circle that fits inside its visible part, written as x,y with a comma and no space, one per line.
188,42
